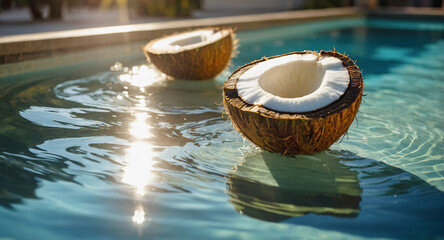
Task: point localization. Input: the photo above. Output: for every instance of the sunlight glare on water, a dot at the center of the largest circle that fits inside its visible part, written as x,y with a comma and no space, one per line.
129,153
139,216
142,76
139,161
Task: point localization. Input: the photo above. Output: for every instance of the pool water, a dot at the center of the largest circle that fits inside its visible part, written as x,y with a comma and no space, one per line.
123,152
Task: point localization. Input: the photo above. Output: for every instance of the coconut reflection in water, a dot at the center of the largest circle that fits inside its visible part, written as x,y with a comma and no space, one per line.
139,156
270,187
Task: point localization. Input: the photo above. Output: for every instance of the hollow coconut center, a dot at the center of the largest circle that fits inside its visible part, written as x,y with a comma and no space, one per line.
294,83
186,40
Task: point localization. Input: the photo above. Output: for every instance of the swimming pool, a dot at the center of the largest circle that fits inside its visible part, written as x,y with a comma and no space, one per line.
122,152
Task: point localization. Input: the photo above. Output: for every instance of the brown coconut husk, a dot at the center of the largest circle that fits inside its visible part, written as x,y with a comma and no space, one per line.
294,133
197,63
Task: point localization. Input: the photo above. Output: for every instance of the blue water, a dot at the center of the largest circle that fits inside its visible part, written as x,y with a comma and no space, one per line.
122,152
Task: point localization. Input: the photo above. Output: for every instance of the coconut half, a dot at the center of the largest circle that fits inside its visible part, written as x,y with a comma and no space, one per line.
195,55
296,103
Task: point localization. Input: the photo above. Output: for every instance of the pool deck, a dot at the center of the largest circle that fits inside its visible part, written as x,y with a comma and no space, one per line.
37,51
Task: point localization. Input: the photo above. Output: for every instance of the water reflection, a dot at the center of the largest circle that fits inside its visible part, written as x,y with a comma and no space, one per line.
273,188
40,161
304,190
139,127
13,172
139,161
139,216
142,76
139,156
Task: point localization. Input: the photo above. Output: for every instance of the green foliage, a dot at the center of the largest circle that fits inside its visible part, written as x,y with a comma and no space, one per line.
6,4
316,4
168,8
83,3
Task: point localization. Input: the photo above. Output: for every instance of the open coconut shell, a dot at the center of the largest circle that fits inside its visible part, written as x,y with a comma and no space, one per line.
294,133
199,61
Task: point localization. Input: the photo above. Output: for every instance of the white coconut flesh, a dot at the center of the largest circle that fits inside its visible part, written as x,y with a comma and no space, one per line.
187,40
294,83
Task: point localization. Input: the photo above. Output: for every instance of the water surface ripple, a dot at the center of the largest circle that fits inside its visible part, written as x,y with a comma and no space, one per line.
128,153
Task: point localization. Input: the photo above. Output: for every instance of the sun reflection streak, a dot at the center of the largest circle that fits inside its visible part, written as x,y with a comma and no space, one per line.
137,172
139,128
142,76
142,102
139,216
139,156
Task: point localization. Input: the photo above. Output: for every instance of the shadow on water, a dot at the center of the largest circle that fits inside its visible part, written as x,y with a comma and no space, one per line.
10,192
20,177
340,191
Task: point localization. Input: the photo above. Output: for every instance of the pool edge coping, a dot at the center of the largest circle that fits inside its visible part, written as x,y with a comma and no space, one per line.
27,49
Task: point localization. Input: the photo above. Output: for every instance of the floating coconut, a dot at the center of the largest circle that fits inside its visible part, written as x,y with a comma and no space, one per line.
295,103
194,55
